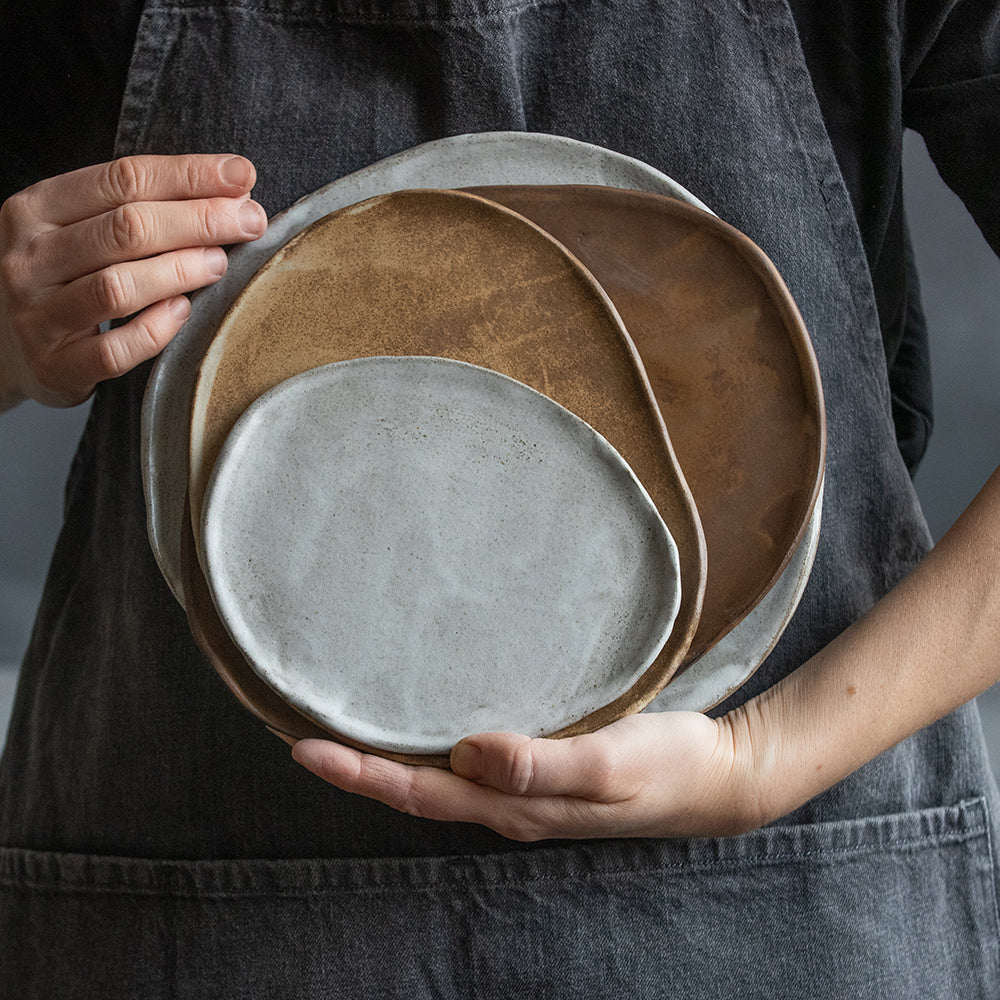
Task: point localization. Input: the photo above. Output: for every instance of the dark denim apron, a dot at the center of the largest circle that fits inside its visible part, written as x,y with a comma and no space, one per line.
161,843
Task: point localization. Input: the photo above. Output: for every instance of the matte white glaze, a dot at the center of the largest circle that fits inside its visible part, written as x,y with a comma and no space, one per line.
411,550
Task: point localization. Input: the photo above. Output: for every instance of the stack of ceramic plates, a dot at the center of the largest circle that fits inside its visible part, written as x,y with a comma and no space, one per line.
473,440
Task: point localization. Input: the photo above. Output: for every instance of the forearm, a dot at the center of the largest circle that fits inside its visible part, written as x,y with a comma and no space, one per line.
927,647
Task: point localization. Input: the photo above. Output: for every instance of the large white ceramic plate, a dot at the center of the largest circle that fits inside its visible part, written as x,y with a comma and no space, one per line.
410,549
459,161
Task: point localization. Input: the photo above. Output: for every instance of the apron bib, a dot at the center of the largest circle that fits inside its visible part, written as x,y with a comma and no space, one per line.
160,843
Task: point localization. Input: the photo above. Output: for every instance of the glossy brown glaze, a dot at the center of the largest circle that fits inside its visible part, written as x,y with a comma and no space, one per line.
452,275
729,361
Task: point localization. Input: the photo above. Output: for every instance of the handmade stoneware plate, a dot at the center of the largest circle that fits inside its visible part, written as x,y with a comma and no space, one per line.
220,650
410,549
498,158
455,162
730,363
446,274
706,682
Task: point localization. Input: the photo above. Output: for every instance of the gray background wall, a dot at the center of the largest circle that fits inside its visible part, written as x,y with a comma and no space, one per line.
961,282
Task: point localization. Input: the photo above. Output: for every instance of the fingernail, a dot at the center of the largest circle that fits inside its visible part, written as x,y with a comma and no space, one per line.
216,261
237,171
467,761
180,307
252,218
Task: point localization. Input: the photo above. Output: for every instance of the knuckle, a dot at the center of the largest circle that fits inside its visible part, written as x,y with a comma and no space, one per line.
398,791
520,769
192,172
184,271
124,179
113,291
213,222
32,256
18,212
406,798
12,271
113,356
129,228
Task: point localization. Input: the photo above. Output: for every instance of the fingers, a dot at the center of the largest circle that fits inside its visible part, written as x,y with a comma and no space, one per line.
91,191
662,775
69,355
433,793
141,230
68,375
123,289
105,242
591,767
428,792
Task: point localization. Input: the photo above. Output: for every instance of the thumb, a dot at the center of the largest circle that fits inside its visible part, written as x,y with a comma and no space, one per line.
581,766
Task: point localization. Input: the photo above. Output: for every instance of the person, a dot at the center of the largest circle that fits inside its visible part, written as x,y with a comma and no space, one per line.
830,831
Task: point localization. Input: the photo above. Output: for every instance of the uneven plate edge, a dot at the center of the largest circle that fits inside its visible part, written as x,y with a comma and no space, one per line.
221,602
693,690
647,687
634,174
757,262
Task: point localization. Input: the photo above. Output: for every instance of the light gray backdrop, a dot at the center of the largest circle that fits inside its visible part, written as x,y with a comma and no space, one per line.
961,282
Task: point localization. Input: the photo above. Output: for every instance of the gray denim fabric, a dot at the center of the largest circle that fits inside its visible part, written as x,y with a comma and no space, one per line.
160,843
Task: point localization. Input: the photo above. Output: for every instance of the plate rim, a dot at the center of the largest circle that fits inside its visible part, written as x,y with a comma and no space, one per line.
640,686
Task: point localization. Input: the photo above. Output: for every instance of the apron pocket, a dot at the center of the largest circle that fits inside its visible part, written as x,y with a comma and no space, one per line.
895,906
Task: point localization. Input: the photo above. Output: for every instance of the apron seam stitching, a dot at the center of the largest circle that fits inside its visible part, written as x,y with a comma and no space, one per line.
761,861
993,874
276,14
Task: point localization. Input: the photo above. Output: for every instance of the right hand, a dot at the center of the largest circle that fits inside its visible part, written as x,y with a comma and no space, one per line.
104,242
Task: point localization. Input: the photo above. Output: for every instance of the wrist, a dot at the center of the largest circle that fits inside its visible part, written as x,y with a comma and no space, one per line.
751,771
779,765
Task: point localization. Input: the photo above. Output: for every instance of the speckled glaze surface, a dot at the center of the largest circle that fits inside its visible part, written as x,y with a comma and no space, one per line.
229,663
412,549
450,275
498,159
731,366
454,162
706,682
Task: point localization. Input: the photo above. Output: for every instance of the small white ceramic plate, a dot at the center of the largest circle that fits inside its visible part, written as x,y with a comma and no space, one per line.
411,549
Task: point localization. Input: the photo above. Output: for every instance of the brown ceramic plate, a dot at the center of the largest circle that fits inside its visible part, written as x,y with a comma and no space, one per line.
729,361
448,274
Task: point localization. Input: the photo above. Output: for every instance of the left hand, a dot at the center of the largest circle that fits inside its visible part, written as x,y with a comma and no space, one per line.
658,775
675,774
